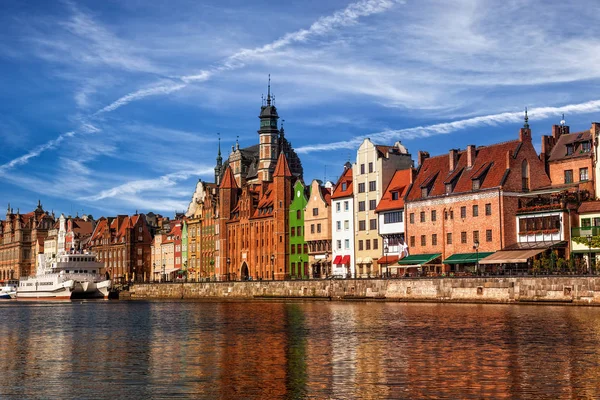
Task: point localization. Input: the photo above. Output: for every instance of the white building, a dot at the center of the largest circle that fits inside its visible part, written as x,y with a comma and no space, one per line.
342,226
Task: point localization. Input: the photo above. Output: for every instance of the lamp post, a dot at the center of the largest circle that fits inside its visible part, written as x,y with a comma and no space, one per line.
326,266
387,263
476,248
589,239
164,274
153,271
228,263
272,267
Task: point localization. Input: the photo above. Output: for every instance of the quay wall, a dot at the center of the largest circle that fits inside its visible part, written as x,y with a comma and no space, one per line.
523,289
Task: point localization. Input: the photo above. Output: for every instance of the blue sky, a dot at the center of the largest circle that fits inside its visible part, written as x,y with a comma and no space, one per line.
111,107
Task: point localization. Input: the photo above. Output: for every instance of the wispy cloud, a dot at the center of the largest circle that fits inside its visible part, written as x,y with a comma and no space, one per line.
144,185
323,25
24,159
539,113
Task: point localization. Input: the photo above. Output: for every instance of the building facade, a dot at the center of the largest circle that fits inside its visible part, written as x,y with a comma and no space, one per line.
342,226
298,249
375,165
317,225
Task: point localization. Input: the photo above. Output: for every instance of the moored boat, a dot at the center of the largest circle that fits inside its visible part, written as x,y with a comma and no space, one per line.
9,290
70,276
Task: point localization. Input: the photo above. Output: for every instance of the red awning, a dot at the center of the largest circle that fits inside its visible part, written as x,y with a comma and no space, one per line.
337,260
387,260
345,260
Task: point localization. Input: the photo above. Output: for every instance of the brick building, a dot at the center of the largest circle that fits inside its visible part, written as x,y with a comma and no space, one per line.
255,194
317,227
22,238
123,243
463,205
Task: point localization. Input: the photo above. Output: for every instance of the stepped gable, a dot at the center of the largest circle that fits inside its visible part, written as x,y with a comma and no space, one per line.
282,168
346,178
559,151
400,183
228,180
489,166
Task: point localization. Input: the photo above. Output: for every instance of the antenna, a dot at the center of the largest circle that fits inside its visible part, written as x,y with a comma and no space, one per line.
562,121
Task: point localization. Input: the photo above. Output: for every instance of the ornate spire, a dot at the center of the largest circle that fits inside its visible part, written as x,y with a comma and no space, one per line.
237,142
269,92
526,125
219,166
8,209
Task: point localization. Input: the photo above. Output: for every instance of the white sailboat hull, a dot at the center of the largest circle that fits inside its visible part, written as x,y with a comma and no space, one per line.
54,286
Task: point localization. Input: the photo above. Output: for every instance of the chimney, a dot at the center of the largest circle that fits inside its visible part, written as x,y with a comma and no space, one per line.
422,156
558,130
525,135
471,153
508,159
452,158
595,131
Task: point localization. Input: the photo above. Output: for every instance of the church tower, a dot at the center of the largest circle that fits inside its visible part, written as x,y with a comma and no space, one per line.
268,134
219,166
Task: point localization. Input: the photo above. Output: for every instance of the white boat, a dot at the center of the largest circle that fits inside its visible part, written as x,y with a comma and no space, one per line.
69,276
9,290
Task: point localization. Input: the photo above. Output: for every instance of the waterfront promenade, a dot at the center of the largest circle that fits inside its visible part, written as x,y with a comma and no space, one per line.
576,290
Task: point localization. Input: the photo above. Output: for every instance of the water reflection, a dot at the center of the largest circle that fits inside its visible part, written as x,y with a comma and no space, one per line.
295,350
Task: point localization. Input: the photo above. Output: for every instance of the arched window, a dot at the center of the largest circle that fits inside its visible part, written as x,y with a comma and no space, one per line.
525,174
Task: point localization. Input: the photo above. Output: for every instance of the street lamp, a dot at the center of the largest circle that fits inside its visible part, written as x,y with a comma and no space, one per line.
589,239
154,271
476,248
228,262
326,266
387,262
272,267
164,274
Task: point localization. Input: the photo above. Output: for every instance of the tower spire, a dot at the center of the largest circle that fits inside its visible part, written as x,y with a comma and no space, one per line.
526,125
269,92
219,166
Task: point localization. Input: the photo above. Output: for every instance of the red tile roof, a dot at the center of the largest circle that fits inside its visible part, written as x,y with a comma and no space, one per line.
282,168
589,206
326,193
345,178
228,181
489,165
559,151
400,183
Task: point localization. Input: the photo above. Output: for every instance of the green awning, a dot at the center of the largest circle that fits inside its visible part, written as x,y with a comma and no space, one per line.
418,259
466,258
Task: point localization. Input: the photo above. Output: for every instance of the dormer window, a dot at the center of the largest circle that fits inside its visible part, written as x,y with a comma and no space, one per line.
585,147
569,149
395,195
476,184
344,186
424,192
448,188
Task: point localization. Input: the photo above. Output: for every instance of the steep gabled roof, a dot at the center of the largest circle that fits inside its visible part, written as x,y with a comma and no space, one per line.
489,166
559,151
589,207
400,183
346,178
228,181
282,168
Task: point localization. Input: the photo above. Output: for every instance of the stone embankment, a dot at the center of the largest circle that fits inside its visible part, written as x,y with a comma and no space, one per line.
525,289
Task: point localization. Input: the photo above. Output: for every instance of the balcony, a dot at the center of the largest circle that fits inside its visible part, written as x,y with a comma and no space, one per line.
585,231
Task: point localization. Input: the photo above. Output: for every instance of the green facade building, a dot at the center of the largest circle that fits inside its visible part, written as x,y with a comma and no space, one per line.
298,250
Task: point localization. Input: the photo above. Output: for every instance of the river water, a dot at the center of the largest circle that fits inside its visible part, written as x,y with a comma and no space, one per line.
296,350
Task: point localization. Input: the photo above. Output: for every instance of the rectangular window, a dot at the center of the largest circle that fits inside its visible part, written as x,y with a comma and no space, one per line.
362,168
361,187
392,217
488,209
318,228
362,225
347,243
367,244
449,238
370,167
476,184
433,216
375,244
475,210
411,217
346,225
299,231
293,233
346,206
338,207
339,244
315,212
585,147
596,221
360,245
488,235
434,239
422,216
463,212
298,214
373,224
338,225
299,248
583,174
372,186
292,249
372,204
585,222
395,195
569,176
412,241
569,149
312,228
361,206
475,236
344,186
463,237
424,192
423,240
